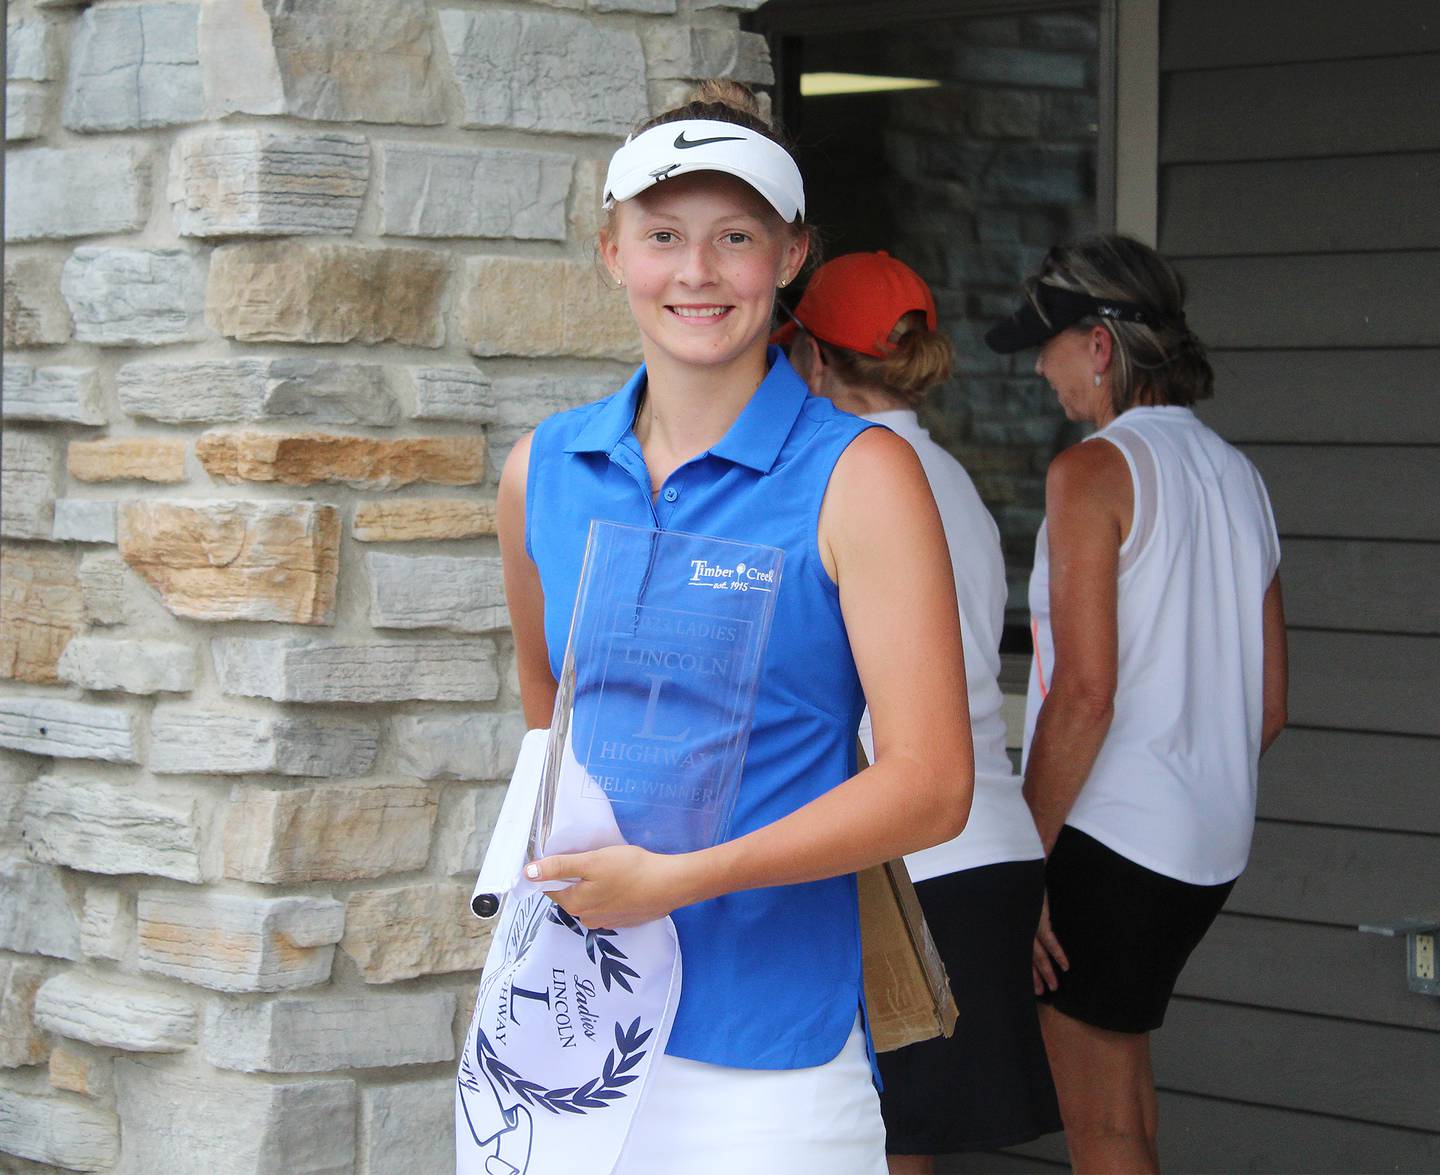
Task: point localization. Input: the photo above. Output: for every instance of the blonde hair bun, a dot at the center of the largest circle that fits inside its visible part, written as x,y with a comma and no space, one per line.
727,92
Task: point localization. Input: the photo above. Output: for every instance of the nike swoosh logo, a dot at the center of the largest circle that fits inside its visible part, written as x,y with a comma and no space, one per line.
683,143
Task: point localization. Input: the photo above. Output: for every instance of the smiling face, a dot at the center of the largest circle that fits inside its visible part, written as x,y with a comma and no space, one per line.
700,257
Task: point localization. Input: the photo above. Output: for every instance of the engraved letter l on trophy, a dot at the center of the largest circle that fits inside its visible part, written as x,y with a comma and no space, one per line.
647,729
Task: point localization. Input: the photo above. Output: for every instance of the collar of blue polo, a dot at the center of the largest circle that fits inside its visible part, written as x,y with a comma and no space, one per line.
754,440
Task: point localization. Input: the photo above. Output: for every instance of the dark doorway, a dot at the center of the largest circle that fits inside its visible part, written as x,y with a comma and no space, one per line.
964,139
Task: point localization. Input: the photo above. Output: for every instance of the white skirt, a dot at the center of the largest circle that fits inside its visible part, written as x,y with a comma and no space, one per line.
704,1119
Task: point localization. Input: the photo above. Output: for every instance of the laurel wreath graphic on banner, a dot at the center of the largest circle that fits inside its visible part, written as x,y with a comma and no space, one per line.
595,1094
610,957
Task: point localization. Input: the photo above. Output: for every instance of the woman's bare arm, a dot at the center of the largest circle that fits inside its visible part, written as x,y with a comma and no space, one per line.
1088,504
1277,667
523,593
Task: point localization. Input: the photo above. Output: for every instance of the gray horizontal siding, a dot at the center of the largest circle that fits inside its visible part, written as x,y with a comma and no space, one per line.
1368,1072
1326,396
1337,876
1349,491
1345,973
1208,1136
1360,1072
1203,34
1362,586
1377,781
1301,205
1325,300
1300,197
1217,1136
1360,681
1316,109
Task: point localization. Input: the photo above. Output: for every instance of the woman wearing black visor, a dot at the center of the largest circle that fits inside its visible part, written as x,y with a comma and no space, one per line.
1159,677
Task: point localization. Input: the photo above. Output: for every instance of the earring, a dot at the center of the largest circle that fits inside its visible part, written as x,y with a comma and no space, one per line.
784,281
1097,379
620,285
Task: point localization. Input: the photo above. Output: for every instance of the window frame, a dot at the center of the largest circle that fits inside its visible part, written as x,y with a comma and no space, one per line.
1127,81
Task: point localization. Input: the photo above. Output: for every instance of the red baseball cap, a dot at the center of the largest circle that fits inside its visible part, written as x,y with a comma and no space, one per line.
855,301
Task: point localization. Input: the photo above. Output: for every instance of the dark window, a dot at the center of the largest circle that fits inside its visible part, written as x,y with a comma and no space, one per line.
965,143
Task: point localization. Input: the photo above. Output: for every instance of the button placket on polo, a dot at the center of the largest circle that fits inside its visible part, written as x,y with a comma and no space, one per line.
663,505
628,457
667,500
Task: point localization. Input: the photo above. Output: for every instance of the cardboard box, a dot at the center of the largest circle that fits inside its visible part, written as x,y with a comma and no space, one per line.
907,992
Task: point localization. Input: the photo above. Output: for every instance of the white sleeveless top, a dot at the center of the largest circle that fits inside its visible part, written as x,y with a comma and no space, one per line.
1173,788
1000,827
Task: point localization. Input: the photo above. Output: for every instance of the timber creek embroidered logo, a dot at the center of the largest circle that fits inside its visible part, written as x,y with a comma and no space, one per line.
684,144
739,578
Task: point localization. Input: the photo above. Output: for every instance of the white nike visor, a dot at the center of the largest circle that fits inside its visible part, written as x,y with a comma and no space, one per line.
677,148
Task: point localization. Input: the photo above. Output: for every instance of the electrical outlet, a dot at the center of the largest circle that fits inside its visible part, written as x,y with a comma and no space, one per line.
1419,934
1425,956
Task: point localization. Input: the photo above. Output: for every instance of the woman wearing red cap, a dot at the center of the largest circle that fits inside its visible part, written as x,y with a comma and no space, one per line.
864,335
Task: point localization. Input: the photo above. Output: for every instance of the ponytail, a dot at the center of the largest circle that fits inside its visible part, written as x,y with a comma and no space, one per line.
917,360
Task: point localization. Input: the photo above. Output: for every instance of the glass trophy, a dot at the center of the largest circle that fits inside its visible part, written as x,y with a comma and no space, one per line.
657,692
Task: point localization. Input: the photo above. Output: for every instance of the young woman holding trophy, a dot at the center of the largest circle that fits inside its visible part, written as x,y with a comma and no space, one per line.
766,1068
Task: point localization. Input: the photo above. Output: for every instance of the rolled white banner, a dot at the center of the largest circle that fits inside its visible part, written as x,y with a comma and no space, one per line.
504,863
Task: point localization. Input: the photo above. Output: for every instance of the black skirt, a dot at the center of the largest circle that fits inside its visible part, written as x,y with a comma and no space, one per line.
1127,932
989,1084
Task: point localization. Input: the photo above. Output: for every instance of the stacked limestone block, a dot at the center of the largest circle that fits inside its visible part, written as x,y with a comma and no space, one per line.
283,284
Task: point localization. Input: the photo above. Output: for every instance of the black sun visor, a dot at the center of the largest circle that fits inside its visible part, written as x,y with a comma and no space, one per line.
1028,328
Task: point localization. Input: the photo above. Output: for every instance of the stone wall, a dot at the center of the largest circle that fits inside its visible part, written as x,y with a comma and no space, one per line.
283,283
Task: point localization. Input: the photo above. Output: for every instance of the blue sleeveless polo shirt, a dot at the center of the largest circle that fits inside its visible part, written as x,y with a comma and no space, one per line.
772,976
